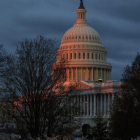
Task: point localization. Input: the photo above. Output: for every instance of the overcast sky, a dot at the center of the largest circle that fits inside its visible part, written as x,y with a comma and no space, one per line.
117,22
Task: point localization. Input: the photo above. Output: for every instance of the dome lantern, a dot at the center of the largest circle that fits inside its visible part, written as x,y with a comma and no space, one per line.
81,15
81,5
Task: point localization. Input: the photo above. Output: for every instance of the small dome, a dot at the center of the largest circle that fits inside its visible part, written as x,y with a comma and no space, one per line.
81,34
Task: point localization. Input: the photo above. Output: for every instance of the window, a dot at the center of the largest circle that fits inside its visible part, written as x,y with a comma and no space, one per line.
67,56
83,55
87,55
89,37
99,56
79,55
74,55
76,37
86,37
70,55
79,37
92,55
64,56
96,56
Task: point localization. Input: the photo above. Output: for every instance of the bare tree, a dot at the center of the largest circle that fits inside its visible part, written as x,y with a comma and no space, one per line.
40,105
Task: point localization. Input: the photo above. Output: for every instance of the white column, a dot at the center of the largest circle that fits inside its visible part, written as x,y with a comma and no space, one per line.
81,107
71,101
91,74
81,74
87,104
101,73
68,74
75,105
104,104
77,55
90,104
97,74
86,74
94,104
72,74
107,74
81,55
76,75
84,104
86,55
73,55
112,97
108,104
101,104
68,56
104,75
110,74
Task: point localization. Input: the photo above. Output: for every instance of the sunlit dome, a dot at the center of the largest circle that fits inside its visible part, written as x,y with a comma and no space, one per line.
81,33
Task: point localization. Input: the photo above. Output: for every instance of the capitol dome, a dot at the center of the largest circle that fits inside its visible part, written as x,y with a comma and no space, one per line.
82,48
81,33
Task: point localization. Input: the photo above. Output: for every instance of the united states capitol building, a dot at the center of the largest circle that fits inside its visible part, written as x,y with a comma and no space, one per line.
88,68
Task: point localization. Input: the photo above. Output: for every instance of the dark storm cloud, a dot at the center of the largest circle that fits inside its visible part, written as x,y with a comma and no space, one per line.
117,21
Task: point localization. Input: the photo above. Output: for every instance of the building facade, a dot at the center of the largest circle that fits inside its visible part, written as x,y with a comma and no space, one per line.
82,48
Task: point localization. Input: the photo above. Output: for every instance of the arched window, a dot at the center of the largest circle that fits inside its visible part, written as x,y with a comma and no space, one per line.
79,55
89,37
74,55
64,56
92,55
83,37
70,55
96,56
87,55
83,55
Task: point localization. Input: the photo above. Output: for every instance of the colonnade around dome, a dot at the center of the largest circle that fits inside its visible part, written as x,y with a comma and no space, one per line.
87,74
82,55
